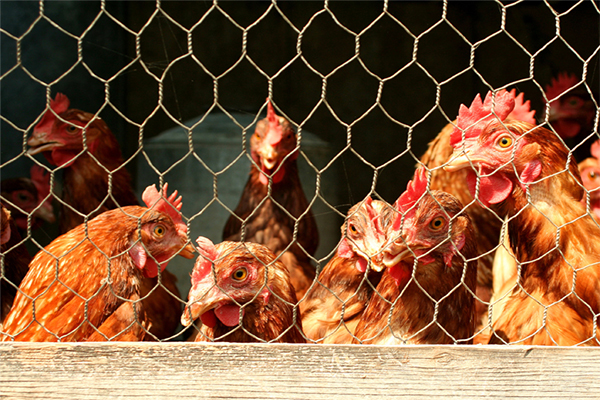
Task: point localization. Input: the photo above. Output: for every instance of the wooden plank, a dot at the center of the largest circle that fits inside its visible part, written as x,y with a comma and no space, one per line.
270,371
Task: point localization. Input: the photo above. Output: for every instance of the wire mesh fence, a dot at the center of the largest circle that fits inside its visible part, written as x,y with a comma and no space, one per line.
290,130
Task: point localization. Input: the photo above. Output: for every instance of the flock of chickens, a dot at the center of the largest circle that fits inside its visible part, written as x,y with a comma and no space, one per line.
496,239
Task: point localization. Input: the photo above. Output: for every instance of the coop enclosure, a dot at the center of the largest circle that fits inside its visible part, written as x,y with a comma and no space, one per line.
367,85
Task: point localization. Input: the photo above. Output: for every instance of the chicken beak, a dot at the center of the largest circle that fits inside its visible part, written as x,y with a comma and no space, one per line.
46,213
464,160
395,253
187,252
204,296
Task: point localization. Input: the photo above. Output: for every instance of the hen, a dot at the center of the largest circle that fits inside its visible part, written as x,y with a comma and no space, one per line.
25,197
242,294
486,223
273,205
15,262
88,172
426,294
334,305
85,285
524,172
590,175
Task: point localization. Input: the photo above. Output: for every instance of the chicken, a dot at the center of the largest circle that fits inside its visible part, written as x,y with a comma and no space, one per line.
59,136
486,223
334,305
25,197
272,193
242,294
95,181
572,109
571,112
590,175
15,261
524,172
426,294
85,285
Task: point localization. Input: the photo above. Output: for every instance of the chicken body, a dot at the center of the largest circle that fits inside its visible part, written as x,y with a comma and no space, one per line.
86,286
524,174
86,190
335,303
266,213
15,261
248,297
428,301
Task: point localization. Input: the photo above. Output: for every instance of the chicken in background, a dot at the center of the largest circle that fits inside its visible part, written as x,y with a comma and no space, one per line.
335,303
272,193
426,294
590,176
86,284
15,261
525,172
241,293
487,224
87,172
25,197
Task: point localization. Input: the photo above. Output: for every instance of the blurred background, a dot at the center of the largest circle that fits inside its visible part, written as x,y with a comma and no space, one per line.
367,83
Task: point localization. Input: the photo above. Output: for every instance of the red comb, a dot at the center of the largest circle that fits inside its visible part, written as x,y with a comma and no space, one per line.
414,190
596,149
208,254
275,133
59,105
559,85
170,205
473,119
41,179
522,110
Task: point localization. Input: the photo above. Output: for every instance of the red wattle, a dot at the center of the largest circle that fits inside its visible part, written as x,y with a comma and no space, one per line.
209,319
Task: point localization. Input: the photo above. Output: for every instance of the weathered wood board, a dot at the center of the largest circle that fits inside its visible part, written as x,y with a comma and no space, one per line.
272,371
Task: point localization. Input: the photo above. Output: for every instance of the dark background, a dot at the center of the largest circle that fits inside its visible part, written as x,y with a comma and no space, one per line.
365,107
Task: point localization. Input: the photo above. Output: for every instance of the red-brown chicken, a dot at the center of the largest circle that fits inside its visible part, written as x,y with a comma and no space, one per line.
87,173
524,173
25,197
335,303
590,175
273,193
85,285
486,223
59,136
242,293
425,295
15,262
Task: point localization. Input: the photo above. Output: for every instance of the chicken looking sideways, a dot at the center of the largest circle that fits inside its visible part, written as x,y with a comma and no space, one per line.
335,303
525,172
426,294
241,293
486,223
272,193
86,284
87,173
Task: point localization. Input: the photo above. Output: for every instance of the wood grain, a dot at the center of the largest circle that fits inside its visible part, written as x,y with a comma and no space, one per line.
269,371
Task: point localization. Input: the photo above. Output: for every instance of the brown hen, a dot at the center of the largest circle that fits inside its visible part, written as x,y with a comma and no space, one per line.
335,303
272,193
86,284
524,173
242,293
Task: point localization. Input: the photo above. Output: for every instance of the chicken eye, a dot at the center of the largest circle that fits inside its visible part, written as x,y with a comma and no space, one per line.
353,229
437,223
505,141
240,274
593,175
72,129
159,231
